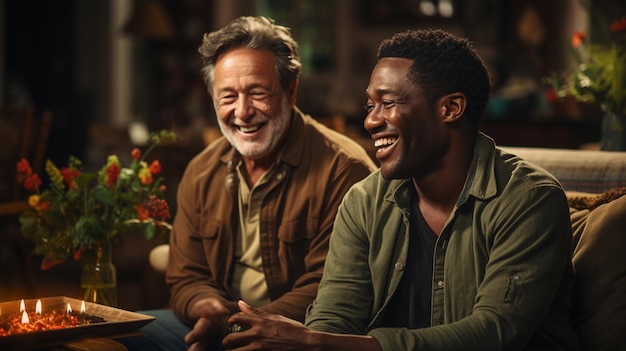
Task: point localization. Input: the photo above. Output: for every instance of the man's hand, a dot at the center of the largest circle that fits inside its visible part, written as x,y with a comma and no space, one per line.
264,331
212,324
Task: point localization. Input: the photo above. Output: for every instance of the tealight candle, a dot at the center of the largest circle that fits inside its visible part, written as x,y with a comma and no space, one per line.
25,318
38,309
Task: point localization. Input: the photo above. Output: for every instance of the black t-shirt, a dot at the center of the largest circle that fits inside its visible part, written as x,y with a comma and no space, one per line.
410,305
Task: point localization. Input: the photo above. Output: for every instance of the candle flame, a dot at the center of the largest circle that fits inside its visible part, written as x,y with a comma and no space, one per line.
82,307
22,306
69,308
38,308
25,318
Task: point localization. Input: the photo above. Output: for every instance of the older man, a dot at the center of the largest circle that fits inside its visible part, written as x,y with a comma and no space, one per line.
256,207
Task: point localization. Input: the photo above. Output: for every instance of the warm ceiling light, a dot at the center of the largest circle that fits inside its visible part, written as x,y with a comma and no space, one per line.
149,19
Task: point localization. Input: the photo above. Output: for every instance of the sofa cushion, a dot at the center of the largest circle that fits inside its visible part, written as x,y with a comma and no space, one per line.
591,171
599,259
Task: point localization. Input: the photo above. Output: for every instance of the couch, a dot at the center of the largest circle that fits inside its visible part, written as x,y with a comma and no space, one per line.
594,182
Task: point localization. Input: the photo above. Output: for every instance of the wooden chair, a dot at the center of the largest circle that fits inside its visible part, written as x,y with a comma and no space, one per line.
23,134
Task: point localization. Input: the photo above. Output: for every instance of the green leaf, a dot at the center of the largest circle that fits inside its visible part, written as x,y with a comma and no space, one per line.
83,179
149,231
102,194
28,221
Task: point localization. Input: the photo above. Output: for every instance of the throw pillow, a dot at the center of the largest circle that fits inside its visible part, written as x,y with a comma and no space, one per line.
599,259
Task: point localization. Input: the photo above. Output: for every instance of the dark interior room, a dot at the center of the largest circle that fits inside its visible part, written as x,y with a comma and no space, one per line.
107,72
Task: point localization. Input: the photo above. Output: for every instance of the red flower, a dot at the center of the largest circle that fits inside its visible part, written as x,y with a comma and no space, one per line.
69,176
78,253
48,263
32,182
113,172
135,154
155,167
551,95
44,206
159,208
578,38
619,25
142,212
23,166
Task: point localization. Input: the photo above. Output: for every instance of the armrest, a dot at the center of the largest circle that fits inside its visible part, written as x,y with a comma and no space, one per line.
159,256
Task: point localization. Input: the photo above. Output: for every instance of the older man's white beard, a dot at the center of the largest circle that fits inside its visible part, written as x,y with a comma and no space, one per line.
271,137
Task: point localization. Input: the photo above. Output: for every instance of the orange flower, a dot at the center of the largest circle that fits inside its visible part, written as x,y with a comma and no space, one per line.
578,38
155,167
142,212
135,154
43,206
145,176
33,200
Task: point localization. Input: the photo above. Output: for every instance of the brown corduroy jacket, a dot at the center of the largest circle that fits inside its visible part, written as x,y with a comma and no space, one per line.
317,166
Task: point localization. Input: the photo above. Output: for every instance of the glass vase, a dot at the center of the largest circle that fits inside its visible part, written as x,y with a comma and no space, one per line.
613,132
99,277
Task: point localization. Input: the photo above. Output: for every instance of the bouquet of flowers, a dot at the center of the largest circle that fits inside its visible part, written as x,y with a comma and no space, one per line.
81,210
600,74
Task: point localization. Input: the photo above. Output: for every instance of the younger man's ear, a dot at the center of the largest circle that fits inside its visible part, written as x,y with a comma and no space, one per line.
453,106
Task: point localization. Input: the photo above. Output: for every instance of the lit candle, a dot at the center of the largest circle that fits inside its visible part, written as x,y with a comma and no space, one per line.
69,308
82,307
25,318
38,309
22,306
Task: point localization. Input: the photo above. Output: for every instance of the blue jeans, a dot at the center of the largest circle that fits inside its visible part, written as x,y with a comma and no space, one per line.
165,333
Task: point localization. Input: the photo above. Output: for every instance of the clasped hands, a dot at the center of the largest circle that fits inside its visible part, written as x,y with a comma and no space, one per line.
250,329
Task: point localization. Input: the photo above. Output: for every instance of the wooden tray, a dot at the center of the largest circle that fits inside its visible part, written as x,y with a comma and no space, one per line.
117,323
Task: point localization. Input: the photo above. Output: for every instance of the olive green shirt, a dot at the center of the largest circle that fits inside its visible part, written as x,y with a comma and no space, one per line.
502,275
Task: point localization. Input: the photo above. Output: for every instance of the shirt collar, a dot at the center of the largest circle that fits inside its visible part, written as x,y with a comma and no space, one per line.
480,182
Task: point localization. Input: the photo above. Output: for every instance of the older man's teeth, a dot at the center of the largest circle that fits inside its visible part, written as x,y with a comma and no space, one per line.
383,142
249,129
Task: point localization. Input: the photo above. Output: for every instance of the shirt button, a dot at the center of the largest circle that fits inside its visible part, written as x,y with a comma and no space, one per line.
516,277
399,266
280,175
440,283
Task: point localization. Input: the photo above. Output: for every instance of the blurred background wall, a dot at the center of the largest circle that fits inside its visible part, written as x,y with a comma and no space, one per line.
110,63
